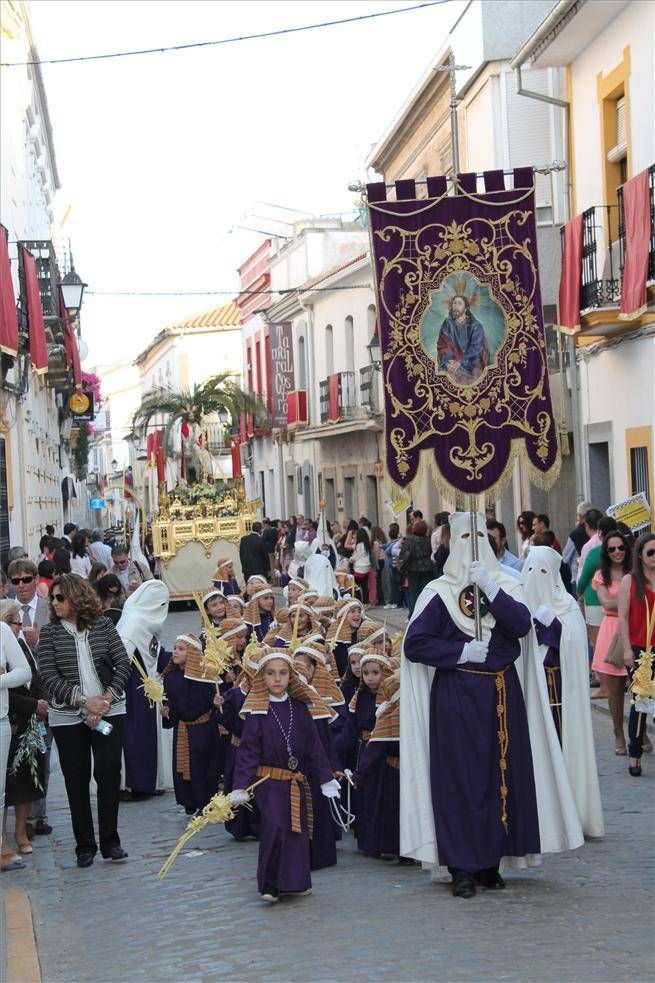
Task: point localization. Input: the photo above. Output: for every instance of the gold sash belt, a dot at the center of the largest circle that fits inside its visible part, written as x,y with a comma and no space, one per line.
503,735
296,781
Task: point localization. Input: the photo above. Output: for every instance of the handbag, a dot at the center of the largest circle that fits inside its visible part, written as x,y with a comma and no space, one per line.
614,655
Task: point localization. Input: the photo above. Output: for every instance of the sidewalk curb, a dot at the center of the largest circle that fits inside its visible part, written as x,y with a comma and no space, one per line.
22,961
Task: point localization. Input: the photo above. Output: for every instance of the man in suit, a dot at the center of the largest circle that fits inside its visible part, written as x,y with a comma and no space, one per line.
34,613
252,553
269,538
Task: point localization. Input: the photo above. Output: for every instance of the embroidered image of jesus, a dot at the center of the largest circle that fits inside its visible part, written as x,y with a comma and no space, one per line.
462,349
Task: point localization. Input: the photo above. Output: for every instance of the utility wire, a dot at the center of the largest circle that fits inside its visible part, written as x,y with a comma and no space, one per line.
221,293
232,40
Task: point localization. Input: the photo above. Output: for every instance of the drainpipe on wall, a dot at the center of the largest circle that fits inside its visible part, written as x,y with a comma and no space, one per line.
564,9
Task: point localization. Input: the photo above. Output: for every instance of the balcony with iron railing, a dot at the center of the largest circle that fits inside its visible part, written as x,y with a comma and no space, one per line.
343,405
603,250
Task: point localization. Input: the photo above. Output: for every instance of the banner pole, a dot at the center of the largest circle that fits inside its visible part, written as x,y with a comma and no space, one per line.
475,555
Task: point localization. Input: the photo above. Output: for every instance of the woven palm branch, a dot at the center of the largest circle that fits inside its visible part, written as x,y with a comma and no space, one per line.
218,394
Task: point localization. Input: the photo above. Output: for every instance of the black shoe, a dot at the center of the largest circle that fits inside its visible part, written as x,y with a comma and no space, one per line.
29,830
490,879
463,885
42,828
117,855
635,770
85,859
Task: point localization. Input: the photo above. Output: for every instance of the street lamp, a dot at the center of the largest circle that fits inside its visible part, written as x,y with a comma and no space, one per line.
373,349
72,290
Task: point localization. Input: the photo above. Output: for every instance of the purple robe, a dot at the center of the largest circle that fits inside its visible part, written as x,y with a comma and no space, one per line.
341,650
227,587
139,736
246,821
266,619
464,746
383,828
323,844
188,700
367,820
283,855
551,637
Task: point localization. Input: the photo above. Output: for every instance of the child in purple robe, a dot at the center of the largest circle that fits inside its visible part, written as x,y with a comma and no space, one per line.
375,667
224,579
259,613
280,743
215,605
379,767
190,710
323,844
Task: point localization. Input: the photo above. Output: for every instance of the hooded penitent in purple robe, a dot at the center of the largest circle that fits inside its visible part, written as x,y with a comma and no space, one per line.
475,823
284,862
139,735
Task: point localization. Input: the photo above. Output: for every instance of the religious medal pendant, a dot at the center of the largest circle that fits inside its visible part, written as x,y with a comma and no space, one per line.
293,763
467,602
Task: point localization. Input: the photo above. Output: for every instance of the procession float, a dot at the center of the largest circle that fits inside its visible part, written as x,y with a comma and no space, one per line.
195,511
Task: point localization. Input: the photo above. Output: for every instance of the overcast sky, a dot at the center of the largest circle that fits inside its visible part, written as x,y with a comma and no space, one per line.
160,155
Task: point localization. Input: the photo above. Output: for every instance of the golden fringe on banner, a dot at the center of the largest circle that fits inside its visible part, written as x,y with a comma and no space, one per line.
461,498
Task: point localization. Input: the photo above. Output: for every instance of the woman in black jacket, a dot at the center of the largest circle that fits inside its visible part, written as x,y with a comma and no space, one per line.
415,561
84,667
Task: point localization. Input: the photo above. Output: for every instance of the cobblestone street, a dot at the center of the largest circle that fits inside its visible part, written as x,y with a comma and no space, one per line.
580,917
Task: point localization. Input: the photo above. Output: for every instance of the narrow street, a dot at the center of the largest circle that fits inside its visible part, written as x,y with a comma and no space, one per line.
567,920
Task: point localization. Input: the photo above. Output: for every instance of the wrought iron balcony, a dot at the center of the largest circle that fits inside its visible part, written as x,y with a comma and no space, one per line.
368,389
343,405
603,250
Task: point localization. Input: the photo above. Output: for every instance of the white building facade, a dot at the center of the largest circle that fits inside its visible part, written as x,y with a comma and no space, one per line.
35,453
607,52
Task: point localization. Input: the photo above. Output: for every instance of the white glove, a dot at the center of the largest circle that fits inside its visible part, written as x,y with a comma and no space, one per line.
474,652
331,790
545,615
478,574
349,775
239,797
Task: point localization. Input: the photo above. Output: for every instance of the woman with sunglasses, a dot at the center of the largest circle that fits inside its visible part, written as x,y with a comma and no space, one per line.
85,668
615,563
636,616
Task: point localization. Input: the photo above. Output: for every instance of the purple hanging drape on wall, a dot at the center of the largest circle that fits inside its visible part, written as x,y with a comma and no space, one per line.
462,336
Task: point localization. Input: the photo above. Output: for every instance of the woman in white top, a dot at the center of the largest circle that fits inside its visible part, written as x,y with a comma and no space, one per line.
361,561
14,671
81,562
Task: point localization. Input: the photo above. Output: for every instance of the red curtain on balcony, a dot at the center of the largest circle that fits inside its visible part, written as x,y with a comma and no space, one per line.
571,277
8,319
36,324
235,449
334,410
70,344
636,208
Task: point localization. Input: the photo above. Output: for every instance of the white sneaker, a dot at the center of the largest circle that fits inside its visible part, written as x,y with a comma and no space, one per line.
393,607
387,607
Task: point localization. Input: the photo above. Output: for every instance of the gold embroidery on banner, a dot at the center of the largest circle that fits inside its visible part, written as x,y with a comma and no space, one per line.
437,404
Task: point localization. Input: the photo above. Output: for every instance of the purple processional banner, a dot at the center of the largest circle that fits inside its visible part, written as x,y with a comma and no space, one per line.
461,332
281,370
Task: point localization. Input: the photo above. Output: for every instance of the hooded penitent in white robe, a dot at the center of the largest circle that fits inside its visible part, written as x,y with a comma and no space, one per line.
542,584
559,826
143,618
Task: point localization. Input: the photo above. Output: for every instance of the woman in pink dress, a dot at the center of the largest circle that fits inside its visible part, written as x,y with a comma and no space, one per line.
615,562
